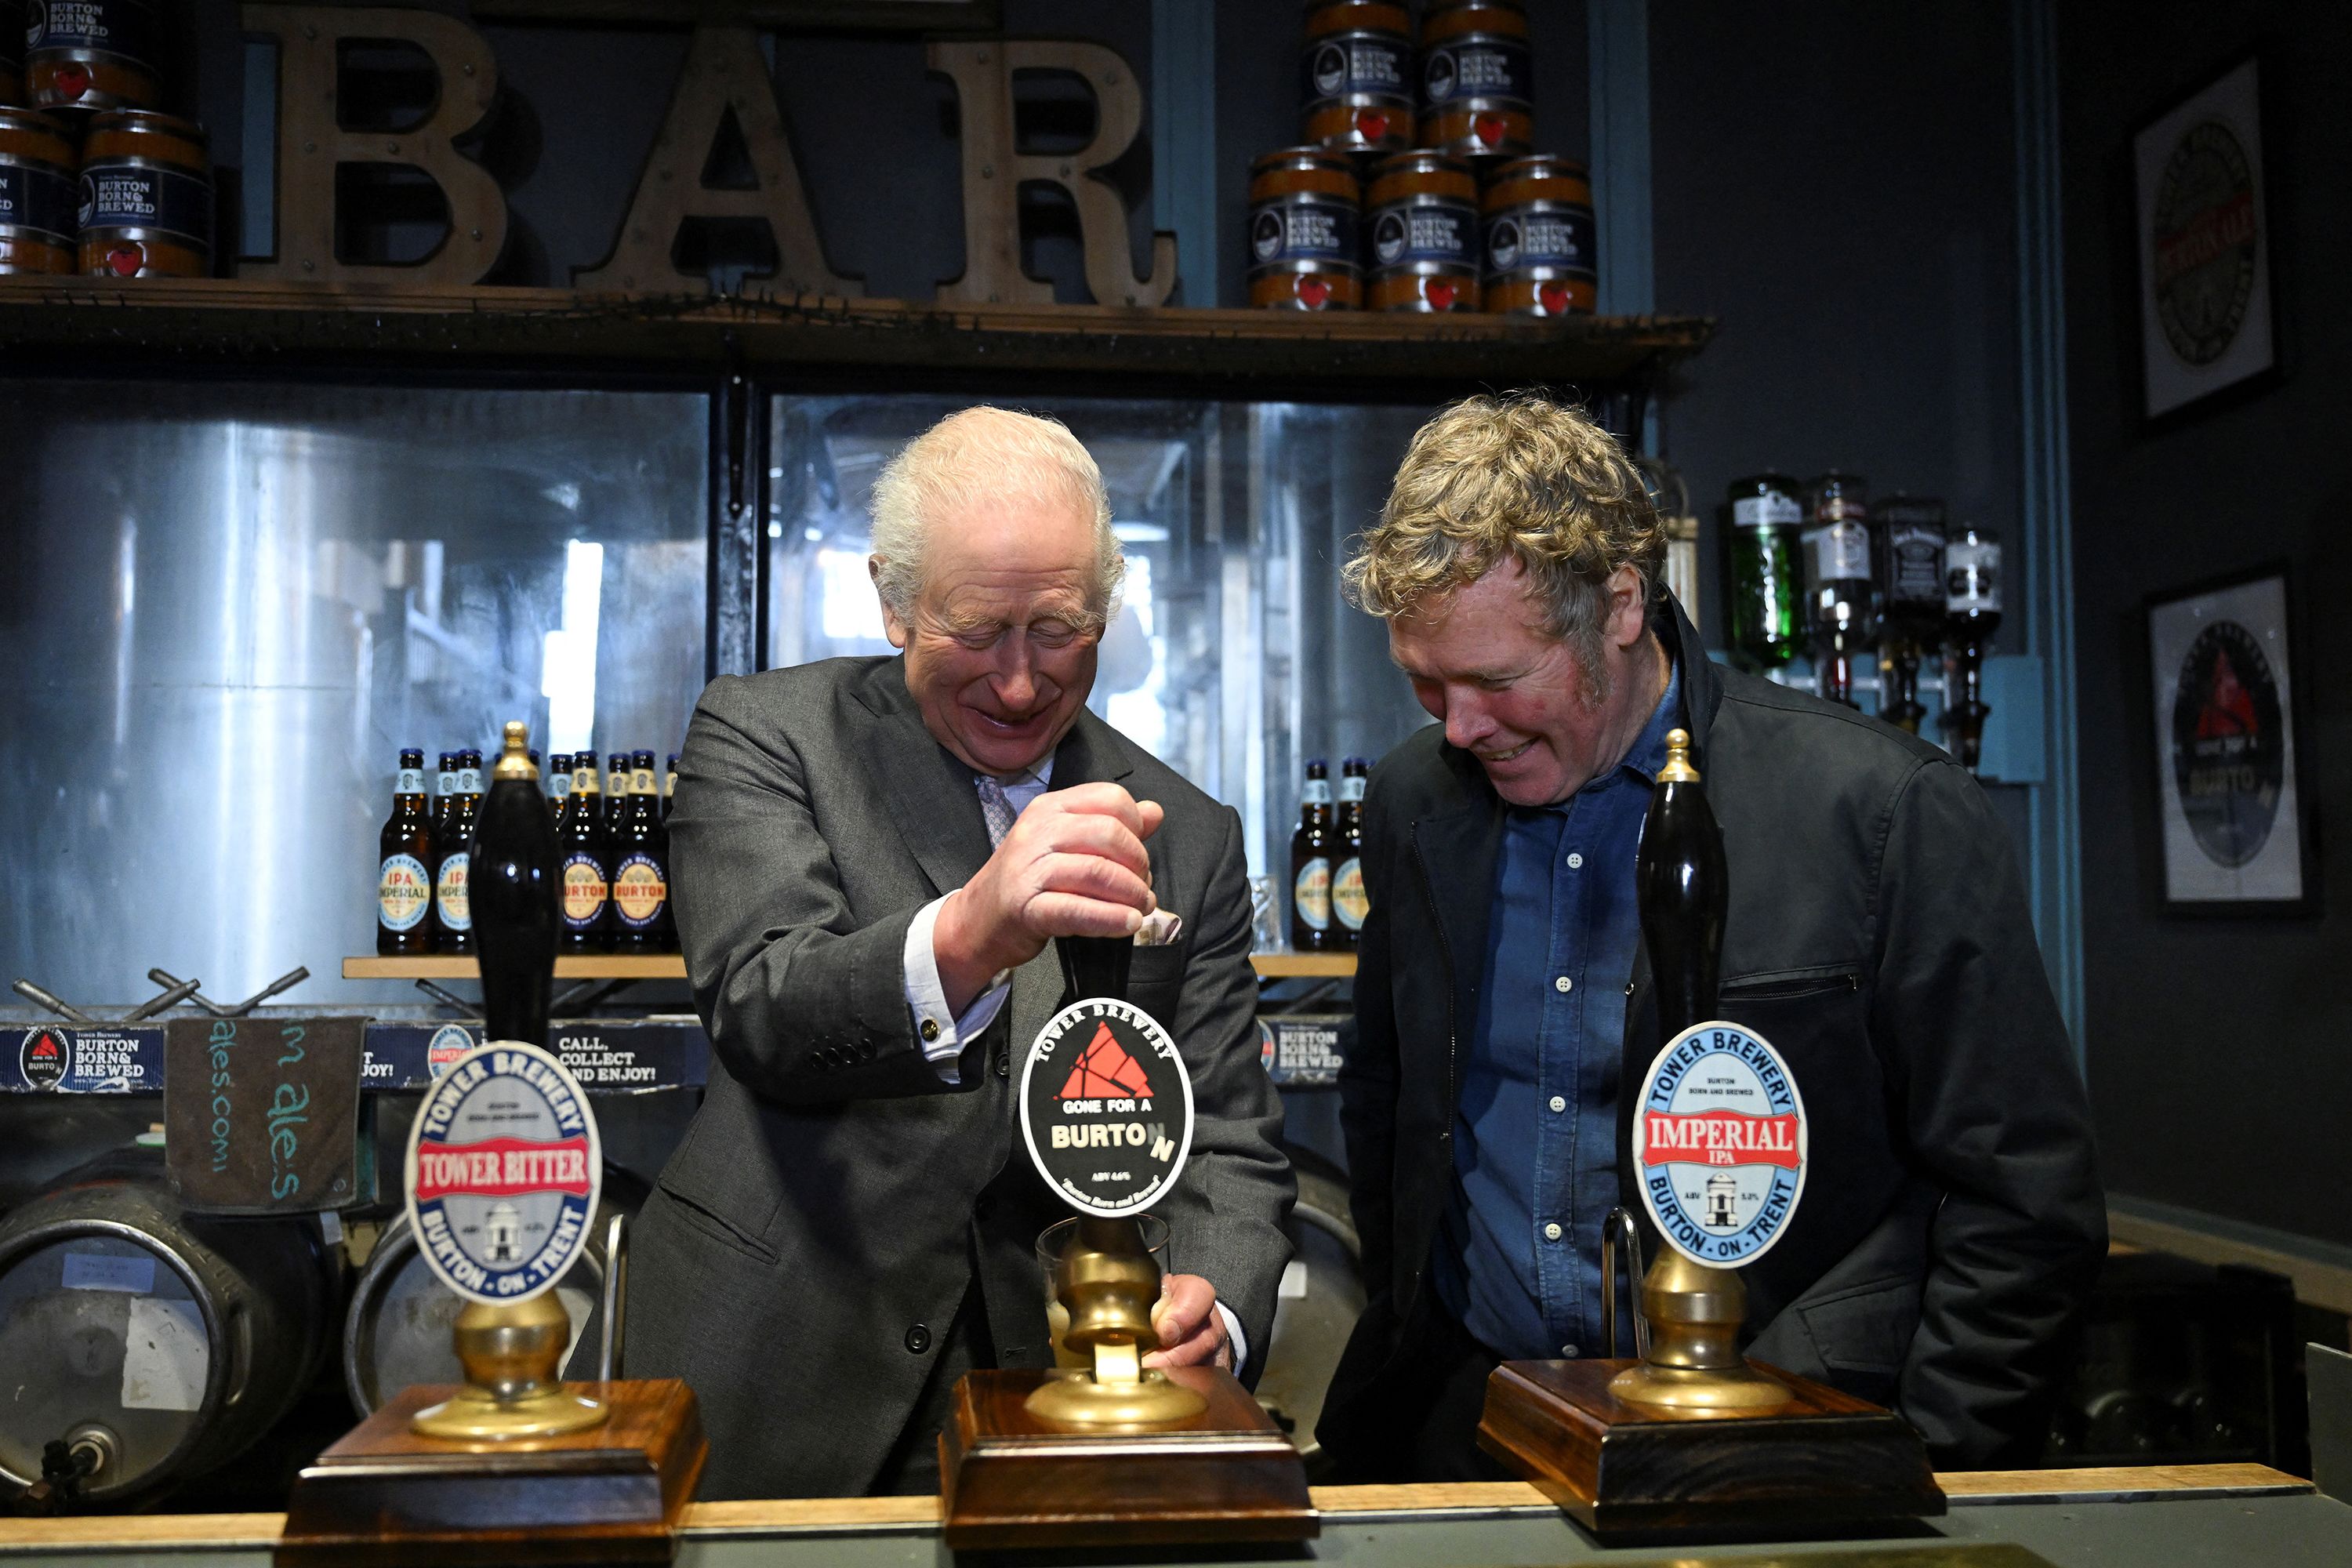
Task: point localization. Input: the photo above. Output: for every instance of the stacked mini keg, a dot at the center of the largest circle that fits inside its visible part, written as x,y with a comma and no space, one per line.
1418,188
94,178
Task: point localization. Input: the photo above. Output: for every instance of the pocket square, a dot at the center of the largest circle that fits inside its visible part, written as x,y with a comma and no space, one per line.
1161,928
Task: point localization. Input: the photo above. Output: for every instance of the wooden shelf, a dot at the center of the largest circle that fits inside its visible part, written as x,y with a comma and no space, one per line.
670,967
575,966
1342,354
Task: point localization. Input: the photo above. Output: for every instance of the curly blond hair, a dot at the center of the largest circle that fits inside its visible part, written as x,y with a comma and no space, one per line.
1523,478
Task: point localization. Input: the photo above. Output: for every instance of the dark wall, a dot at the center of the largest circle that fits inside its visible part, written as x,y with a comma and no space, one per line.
2216,1062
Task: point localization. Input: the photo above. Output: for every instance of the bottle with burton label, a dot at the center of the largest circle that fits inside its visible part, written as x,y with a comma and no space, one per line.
1348,903
1838,589
616,790
1908,537
1764,539
669,786
453,902
559,784
583,864
641,920
403,877
1971,615
1310,865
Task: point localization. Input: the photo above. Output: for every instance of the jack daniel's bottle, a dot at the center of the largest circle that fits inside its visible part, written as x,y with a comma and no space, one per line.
1680,882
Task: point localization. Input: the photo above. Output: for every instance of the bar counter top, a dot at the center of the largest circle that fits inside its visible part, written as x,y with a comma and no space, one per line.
2170,1516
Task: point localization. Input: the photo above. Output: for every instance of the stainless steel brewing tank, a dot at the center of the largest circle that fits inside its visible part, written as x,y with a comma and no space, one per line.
163,1341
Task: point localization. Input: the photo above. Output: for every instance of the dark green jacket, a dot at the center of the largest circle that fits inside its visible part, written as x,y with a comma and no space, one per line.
1952,1220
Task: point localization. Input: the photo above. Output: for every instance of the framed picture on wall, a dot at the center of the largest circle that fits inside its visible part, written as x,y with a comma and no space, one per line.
2233,833
2202,228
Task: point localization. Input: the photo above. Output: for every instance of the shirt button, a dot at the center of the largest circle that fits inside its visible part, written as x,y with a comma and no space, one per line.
930,1030
1551,1232
1563,985
919,1339
1558,1103
1569,1351
1575,862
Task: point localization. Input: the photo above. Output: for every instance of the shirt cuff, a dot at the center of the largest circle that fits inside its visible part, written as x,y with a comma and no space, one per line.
941,1033
1241,1339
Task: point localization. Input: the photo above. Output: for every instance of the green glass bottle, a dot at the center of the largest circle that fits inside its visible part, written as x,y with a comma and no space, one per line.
1764,527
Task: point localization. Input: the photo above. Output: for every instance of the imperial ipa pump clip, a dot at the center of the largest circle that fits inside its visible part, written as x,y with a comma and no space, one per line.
504,1164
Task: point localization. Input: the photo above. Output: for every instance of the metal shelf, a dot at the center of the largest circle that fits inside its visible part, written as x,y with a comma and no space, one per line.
671,966
1343,353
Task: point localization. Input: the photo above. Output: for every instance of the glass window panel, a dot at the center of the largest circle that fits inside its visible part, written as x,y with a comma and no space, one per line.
231,604
1233,658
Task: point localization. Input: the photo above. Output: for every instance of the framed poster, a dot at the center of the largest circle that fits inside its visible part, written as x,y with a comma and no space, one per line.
2201,226
2233,837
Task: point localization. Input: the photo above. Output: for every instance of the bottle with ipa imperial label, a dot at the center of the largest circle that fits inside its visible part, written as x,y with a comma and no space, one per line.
1310,865
445,790
583,864
1764,541
453,904
1971,615
1348,903
403,877
641,919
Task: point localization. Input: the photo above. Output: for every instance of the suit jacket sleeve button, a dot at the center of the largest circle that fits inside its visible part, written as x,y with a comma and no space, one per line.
919,1339
1004,1065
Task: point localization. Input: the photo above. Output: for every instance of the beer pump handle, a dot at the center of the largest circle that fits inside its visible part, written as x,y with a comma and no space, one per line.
1682,890
1096,965
514,897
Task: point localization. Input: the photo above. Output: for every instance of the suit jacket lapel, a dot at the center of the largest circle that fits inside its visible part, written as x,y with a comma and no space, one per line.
929,792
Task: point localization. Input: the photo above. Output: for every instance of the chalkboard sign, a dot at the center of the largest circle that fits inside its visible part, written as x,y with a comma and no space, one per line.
260,1115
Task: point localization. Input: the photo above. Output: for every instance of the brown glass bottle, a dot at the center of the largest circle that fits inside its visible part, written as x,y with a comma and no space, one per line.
616,790
1680,884
1310,865
641,919
445,788
1348,903
583,864
453,899
403,877
669,786
559,784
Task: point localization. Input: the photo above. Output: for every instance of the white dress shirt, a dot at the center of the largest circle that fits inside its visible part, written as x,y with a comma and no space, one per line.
943,1033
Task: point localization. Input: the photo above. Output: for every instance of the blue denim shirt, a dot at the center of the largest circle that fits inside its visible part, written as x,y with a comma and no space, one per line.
1535,1152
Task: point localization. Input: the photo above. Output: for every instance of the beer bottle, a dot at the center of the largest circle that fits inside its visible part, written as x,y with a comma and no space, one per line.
1349,904
1971,615
641,921
1764,541
669,786
444,789
453,903
559,784
1909,539
403,877
1680,886
1310,865
616,790
584,865
1838,584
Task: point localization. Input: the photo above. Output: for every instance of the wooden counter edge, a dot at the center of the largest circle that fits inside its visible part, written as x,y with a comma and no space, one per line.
785,1514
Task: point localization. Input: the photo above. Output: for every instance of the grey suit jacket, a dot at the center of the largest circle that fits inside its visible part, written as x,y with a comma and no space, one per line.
810,1241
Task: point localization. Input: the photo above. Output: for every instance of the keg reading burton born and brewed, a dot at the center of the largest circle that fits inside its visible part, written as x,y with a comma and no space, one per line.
92,54
1539,249
1423,234
1476,78
1355,76
146,198
1303,231
36,194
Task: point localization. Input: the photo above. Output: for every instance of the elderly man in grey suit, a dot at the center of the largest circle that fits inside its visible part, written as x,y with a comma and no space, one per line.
870,860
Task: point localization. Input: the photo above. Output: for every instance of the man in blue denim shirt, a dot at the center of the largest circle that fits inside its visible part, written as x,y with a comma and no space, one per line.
1877,934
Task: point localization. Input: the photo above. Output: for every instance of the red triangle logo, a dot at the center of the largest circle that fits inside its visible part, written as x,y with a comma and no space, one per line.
1104,1069
45,1047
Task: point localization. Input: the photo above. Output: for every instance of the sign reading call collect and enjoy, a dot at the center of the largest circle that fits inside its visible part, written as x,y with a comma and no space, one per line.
504,1170
1107,1107
1719,1144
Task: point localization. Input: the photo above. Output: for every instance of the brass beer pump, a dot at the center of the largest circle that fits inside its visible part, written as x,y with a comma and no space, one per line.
512,1352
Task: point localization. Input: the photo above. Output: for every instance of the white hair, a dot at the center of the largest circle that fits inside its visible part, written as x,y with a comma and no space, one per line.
987,453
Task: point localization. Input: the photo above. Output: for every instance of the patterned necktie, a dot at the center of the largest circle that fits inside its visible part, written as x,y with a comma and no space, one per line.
994,806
